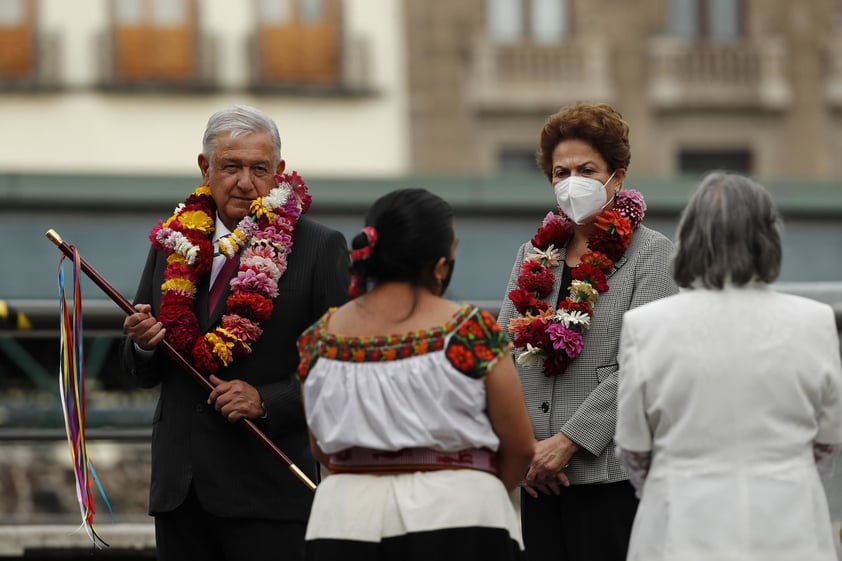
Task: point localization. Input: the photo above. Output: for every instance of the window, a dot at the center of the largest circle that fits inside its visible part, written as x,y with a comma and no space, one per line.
299,42
517,160
17,39
543,21
699,162
154,41
715,19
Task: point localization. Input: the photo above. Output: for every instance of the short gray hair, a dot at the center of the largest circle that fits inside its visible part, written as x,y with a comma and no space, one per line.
730,231
239,120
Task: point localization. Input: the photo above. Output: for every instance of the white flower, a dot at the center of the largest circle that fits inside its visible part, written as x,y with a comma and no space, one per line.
573,318
550,256
228,246
262,265
186,249
277,197
532,356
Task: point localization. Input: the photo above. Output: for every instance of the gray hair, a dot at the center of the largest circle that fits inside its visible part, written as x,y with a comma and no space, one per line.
730,231
239,120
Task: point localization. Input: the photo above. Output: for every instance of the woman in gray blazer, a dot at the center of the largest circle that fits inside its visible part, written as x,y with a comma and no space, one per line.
566,296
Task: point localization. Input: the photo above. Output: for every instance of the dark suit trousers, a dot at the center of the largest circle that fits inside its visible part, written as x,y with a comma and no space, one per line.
190,532
583,523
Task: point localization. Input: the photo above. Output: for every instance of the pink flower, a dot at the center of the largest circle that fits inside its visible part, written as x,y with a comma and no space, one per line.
273,235
251,281
566,339
241,327
261,264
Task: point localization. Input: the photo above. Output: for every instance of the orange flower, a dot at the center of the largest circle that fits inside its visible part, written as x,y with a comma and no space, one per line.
390,353
597,259
461,358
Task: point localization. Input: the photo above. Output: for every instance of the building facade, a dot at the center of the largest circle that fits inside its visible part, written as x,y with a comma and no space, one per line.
749,85
126,86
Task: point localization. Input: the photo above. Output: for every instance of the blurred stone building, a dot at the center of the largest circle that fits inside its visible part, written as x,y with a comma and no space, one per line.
749,85
126,86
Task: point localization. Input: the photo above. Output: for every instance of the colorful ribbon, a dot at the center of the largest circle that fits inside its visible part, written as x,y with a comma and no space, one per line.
72,390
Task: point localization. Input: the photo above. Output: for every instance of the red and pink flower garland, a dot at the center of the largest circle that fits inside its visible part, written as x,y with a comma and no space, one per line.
185,237
553,338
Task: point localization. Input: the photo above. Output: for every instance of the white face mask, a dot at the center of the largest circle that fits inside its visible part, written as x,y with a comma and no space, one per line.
581,198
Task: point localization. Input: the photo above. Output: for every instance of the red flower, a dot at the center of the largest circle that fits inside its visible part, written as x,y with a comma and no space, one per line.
571,306
203,358
555,232
470,329
182,327
489,322
555,364
240,349
536,278
525,301
250,305
597,259
460,357
614,223
535,334
612,246
592,275
483,352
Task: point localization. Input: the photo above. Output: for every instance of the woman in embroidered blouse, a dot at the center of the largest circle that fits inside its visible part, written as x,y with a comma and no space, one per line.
563,308
730,395
413,403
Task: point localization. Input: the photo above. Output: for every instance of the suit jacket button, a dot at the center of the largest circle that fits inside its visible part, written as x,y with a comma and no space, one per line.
200,408
545,407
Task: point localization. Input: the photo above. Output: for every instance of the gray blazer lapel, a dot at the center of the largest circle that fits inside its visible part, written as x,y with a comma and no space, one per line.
617,264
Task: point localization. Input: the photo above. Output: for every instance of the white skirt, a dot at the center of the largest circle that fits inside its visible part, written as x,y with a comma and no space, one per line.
413,515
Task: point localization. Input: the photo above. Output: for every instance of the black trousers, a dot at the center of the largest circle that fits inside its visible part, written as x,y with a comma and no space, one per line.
583,523
190,532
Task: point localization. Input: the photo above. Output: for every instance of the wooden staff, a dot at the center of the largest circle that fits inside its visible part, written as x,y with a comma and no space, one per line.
127,307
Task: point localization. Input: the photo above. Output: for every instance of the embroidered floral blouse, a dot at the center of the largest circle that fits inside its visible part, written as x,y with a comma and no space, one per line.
419,389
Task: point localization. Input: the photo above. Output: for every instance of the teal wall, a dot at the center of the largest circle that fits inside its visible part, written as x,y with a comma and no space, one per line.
109,217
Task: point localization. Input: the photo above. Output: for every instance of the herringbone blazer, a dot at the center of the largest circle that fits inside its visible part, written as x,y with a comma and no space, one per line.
582,402
232,472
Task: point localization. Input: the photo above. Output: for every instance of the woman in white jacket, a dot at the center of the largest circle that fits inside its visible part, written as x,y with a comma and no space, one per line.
730,395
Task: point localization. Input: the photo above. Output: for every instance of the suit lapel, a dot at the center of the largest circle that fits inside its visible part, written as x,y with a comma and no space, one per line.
617,264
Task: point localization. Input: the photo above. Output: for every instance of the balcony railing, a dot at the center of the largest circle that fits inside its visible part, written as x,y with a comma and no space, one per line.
355,76
532,77
45,71
201,76
703,74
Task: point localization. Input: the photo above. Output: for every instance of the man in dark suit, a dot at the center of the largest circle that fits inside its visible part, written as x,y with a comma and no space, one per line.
216,492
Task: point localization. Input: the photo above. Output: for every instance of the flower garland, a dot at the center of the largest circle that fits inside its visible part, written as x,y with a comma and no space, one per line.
186,239
553,338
